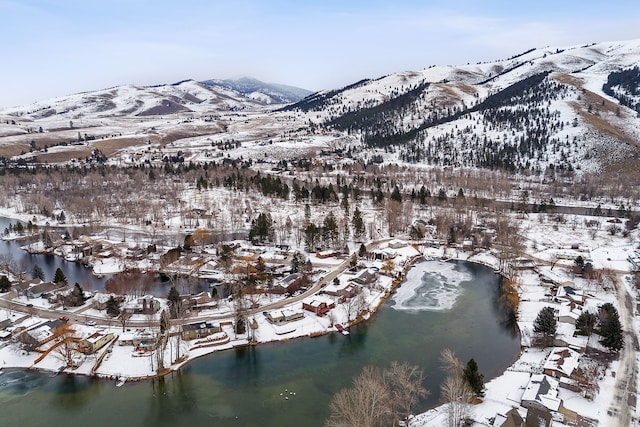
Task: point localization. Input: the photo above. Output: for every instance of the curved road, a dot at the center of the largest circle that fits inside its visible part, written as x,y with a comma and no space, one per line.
79,317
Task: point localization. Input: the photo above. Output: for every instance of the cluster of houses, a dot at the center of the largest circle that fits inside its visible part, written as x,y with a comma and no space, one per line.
540,398
540,402
39,335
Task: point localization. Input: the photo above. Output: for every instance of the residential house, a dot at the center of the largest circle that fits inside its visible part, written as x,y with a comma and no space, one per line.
199,330
397,244
365,277
561,362
100,300
383,254
569,313
290,283
94,342
328,254
510,419
40,334
145,305
319,307
538,418
541,393
199,301
280,317
140,339
569,293
41,289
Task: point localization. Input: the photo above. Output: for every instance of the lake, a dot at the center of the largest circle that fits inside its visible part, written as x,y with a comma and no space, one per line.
440,305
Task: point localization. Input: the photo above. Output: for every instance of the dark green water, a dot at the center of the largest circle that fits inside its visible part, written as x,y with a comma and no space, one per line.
243,387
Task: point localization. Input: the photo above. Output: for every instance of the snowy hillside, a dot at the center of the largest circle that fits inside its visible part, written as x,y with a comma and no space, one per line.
267,93
543,111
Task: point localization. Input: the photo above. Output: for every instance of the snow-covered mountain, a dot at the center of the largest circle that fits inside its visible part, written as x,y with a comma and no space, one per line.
544,109
268,93
184,96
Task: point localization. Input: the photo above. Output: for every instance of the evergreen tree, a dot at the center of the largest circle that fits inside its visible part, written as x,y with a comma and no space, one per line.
77,296
174,296
330,229
474,378
5,284
545,323
37,272
585,323
113,308
358,225
297,261
610,328
261,228
423,194
362,251
395,194
59,277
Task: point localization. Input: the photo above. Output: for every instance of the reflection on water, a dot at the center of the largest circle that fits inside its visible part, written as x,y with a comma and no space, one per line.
18,383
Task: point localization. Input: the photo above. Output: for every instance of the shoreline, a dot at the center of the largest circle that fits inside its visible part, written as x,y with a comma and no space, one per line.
368,315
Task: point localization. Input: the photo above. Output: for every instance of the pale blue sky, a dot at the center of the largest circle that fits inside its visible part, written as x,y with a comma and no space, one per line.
60,47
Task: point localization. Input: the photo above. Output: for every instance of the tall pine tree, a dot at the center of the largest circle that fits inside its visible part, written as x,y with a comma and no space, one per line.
474,378
610,328
546,324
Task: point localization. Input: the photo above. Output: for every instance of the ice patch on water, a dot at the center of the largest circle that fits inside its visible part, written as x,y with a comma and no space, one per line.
431,286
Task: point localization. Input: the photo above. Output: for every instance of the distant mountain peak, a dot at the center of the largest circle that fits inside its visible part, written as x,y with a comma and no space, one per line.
269,93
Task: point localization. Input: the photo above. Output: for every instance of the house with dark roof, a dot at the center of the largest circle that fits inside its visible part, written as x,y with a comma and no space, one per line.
542,393
510,419
199,330
365,277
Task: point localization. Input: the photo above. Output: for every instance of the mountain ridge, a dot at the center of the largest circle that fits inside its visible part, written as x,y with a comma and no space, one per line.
542,111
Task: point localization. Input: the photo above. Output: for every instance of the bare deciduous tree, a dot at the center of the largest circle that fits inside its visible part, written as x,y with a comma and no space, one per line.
455,392
66,344
377,398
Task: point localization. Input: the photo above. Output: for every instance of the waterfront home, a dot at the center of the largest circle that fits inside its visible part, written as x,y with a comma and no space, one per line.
100,300
280,317
145,305
542,401
94,342
342,289
199,330
319,307
140,339
39,289
39,334
365,277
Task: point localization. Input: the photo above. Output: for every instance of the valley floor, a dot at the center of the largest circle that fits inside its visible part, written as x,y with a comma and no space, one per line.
546,275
